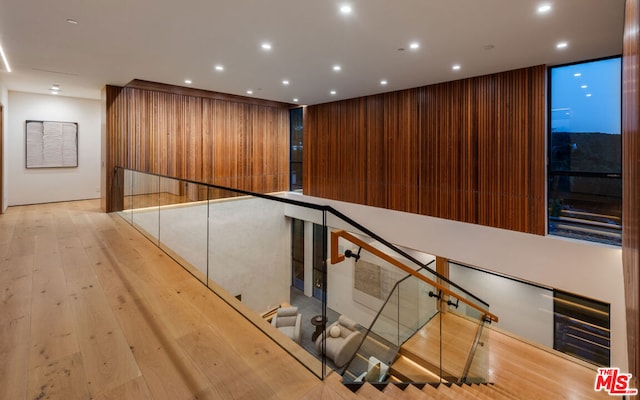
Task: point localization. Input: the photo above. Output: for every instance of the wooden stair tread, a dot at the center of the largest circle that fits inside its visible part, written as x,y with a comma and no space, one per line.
369,392
425,347
392,391
416,393
407,370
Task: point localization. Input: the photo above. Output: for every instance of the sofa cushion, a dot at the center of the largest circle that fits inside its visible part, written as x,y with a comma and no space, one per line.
347,322
285,321
289,331
334,331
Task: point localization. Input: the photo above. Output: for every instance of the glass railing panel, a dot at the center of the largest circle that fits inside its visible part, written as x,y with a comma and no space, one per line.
124,179
249,249
250,258
432,323
415,306
461,321
145,204
478,367
183,224
249,245
391,340
453,303
458,337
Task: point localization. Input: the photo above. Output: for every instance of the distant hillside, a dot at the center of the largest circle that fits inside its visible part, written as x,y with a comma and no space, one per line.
586,152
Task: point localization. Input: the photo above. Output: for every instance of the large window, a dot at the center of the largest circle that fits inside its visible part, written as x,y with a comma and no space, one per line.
585,167
295,167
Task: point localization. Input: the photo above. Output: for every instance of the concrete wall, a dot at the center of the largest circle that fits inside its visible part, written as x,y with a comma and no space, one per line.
242,244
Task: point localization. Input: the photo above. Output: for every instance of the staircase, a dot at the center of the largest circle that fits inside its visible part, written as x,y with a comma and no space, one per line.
437,354
436,391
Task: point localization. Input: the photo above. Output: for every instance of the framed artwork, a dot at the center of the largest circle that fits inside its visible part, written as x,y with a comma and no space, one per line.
51,144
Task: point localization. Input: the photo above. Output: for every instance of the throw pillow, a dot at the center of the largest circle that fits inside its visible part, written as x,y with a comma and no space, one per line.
334,331
374,374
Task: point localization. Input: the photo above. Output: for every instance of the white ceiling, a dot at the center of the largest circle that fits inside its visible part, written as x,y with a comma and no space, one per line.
169,41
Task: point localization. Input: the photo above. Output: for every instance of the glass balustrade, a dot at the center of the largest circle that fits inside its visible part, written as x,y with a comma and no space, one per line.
239,244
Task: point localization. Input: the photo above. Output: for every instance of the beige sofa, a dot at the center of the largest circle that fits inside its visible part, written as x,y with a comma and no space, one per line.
342,344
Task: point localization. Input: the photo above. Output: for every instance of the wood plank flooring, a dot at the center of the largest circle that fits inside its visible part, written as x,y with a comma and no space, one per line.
90,309
526,371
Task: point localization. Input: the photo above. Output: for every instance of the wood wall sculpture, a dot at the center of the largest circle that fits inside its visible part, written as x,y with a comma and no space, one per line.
197,135
471,150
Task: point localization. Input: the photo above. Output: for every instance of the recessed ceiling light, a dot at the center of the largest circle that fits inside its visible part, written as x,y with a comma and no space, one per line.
562,45
456,67
544,8
577,74
583,86
285,82
383,82
588,94
333,92
414,46
219,67
337,68
346,9
266,46
249,91
54,92
4,59
72,21
296,100
188,81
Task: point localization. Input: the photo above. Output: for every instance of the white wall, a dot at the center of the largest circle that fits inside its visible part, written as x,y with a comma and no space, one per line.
583,268
4,99
525,310
29,186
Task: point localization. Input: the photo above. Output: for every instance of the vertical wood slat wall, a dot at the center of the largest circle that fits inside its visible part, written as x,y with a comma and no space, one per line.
631,179
470,150
228,143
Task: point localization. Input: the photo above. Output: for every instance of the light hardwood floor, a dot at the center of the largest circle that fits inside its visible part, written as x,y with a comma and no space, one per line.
90,309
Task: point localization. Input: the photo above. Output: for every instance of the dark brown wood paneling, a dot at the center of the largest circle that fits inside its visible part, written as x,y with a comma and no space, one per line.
511,149
402,136
469,150
115,140
338,163
205,139
448,185
631,179
204,94
377,185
